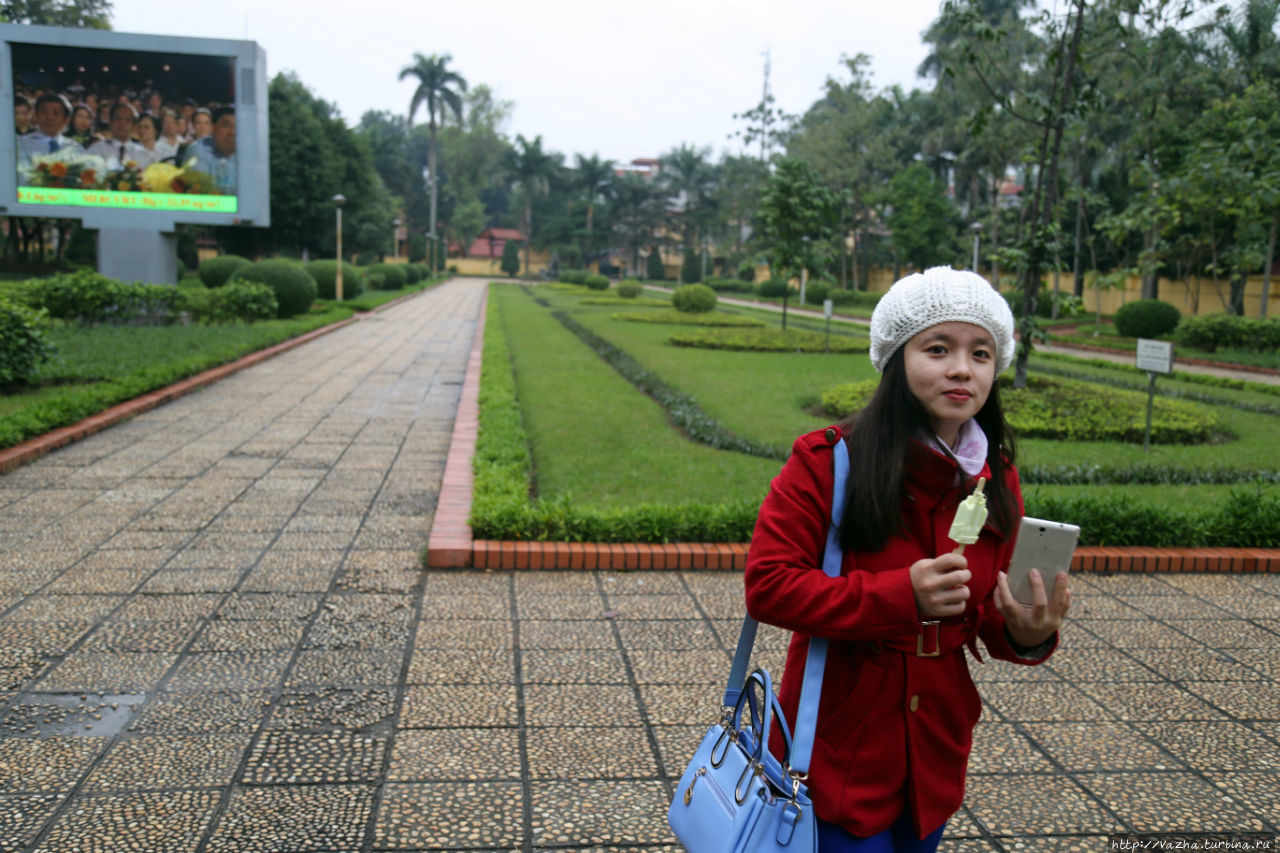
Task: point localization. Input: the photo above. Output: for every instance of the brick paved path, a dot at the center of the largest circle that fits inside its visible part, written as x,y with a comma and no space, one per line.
214,637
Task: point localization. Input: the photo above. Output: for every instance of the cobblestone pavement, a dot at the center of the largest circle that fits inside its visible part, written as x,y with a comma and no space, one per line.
214,637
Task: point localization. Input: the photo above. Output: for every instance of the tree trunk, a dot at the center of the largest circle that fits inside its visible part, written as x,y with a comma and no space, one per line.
528,234
1151,279
1271,259
1077,268
590,212
431,167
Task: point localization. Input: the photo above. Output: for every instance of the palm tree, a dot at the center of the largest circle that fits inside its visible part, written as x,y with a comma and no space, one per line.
687,171
434,90
594,177
533,169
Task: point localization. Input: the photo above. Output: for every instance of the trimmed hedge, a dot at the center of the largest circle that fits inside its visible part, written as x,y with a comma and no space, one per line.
1211,331
574,276
630,288
1146,318
87,297
325,273
294,288
393,276
413,273
728,285
596,281
694,299
236,301
714,318
1065,410
23,343
768,340
501,507
773,288
216,272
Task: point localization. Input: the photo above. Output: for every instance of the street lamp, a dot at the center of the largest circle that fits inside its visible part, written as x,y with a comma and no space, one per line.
804,268
976,228
395,238
338,201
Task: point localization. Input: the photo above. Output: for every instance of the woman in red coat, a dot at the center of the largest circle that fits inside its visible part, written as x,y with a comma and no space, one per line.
898,707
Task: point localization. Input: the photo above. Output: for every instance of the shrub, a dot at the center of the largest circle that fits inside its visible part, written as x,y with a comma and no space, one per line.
853,297
630,288
747,272
511,258
573,276
393,275
294,288
237,300
88,297
710,318
654,269
23,346
413,273
216,272
694,299
816,292
1213,331
767,340
595,281
728,285
772,288
424,273
1146,318
691,267
325,274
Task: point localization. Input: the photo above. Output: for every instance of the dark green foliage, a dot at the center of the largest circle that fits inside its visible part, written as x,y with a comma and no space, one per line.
1146,318
923,221
417,248
573,276
681,318
413,273
768,340
236,301
393,276
1210,332
595,281
216,272
23,343
815,292
728,285
1140,473
423,272
654,269
694,299
294,288
747,272
773,288
325,274
853,297
630,288
691,267
87,297
511,258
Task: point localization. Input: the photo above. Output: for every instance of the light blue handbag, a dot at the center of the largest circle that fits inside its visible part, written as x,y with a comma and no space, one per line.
735,796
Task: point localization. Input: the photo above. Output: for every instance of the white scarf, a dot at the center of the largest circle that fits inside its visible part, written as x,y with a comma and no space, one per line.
970,451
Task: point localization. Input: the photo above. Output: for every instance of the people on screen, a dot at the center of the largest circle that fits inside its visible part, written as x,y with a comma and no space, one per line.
53,114
216,154
121,149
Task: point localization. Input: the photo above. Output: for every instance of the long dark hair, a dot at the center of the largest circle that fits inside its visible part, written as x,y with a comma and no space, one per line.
879,437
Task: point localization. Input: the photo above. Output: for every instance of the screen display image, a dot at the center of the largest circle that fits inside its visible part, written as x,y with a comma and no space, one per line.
124,129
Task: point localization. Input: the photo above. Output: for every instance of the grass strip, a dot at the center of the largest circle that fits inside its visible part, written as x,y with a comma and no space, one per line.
502,506
680,318
768,340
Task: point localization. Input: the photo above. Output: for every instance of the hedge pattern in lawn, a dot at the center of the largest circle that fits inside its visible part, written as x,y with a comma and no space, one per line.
295,289
1163,390
1066,410
1213,331
1182,376
325,273
681,408
23,343
768,340
677,318
216,272
617,301
1141,474
501,507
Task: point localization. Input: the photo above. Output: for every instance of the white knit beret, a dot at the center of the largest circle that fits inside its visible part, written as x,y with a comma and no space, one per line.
940,295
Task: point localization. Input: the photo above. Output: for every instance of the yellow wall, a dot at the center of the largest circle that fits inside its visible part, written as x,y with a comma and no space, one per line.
486,266
1208,296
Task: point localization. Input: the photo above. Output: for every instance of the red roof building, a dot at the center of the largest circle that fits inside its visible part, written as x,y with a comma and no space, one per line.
489,244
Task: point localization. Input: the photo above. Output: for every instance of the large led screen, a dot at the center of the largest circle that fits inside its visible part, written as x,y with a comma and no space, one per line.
124,129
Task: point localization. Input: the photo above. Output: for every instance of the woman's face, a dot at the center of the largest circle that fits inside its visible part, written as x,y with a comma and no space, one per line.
950,368
202,125
155,103
81,120
22,116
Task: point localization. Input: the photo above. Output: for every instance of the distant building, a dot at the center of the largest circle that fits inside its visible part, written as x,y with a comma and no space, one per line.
489,244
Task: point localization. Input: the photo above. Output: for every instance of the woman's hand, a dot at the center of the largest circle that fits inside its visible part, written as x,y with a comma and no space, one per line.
1031,624
939,585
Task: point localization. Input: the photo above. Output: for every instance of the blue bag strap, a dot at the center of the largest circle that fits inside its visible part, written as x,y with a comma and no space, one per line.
816,662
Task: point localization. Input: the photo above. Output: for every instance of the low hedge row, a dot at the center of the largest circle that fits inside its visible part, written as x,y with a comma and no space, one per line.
23,343
1065,410
1211,331
683,410
729,285
768,340
1181,375
88,297
679,318
1161,390
501,507
1141,474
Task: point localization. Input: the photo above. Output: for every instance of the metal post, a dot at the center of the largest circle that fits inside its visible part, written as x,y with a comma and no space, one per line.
1151,395
976,228
338,201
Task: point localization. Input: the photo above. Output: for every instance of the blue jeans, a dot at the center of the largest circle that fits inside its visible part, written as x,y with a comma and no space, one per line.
899,838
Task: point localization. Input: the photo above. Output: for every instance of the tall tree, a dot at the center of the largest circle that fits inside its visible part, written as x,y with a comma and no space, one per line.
640,208
687,171
797,215
533,170
595,176
89,14
440,90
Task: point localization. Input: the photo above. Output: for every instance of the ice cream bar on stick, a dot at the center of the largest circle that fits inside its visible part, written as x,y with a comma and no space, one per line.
970,516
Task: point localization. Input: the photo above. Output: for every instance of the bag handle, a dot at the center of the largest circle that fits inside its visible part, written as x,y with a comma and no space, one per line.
801,750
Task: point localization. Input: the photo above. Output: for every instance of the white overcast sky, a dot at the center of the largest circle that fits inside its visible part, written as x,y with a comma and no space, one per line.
618,80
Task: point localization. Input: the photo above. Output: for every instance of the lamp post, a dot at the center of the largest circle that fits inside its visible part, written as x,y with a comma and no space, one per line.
338,201
804,269
976,228
395,238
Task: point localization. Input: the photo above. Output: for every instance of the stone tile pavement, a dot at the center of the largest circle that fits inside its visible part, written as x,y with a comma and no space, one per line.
214,637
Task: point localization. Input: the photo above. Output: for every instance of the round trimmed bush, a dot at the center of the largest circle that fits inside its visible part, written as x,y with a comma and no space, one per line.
393,275
1146,318
23,345
294,287
816,292
574,276
772,288
595,281
413,273
325,273
237,300
216,272
630,288
694,299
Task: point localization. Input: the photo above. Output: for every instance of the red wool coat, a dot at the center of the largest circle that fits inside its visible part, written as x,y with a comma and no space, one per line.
894,727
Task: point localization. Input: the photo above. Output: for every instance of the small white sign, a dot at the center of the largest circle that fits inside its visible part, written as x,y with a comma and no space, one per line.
1155,356
828,307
